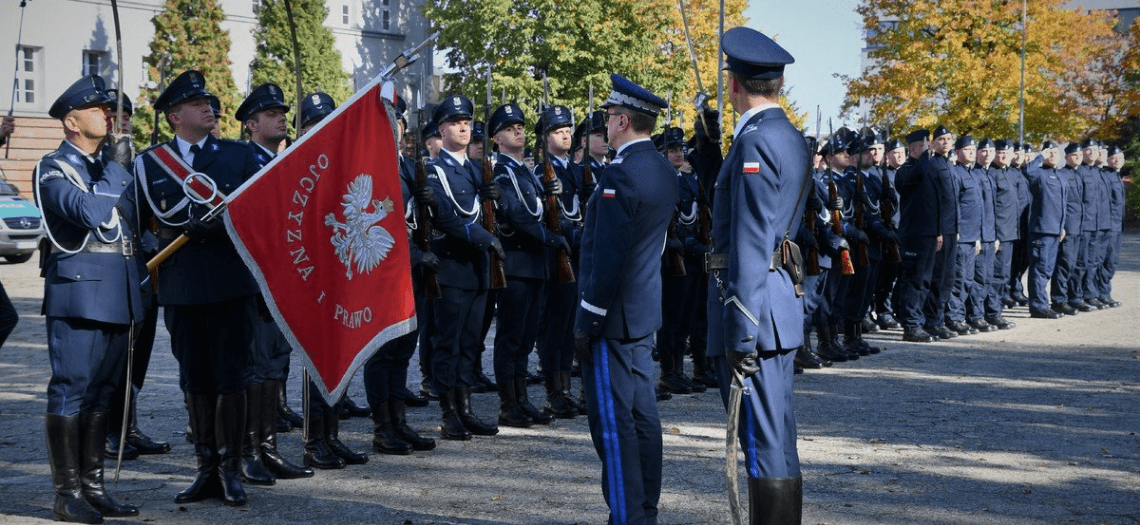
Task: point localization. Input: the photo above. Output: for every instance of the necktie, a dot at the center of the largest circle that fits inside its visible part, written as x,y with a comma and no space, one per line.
194,151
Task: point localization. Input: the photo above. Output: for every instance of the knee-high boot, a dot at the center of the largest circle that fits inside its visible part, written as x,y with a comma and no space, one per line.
470,421
63,442
385,440
207,484
775,501
267,420
229,428
93,433
332,439
397,410
523,397
317,453
253,468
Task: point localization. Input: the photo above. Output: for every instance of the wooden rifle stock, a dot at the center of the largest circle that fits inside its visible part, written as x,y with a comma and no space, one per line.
565,270
676,257
704,219
498,267
860,219
423,233
846,268
887,213
812,255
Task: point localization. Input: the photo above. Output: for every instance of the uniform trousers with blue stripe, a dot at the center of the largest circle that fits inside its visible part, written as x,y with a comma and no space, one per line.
88,361
625,427
767,425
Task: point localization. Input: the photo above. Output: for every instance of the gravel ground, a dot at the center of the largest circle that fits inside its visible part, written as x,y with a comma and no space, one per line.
1037,425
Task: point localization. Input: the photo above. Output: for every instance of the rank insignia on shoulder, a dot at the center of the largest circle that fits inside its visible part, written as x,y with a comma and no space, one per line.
609,193
751,167
748,129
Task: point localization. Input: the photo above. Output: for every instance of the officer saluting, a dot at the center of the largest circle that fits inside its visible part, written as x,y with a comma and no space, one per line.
620,306
91,296
205,289
755,316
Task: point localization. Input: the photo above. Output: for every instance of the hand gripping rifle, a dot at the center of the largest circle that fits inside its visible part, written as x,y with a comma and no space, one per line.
498,267
565,270
846,268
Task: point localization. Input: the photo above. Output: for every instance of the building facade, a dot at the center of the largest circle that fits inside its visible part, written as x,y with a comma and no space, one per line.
60,40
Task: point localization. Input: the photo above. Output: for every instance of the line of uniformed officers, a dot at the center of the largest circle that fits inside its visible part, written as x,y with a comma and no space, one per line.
942,229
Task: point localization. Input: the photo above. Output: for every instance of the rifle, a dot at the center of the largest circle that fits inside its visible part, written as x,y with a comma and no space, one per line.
565,270
887,214
860,217
423,234
846,268
809,216
587,171
676,257
498,267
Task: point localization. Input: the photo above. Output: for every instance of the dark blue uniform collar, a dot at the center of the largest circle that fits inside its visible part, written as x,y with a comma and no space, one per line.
458,158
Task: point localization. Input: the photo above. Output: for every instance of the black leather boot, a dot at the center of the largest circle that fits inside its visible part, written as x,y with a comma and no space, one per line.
229,428
63,443
470,421
775,501
207,484
111,449
253,468
863,342
510,414
452,427
93,431
851,340
141,442
332,439
693,386
267,421
483,384
538,416
285,412
385,440
556,402
825,349
317,453
567,394
353,409
396,409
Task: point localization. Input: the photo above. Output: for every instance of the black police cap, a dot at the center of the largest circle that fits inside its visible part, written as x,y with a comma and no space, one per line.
478,130
215,105
1048,144
940,131
965,141
504,116
263,97
1113,150
812,144
1003,144
555,117
917,135
1072,147
986,143
190,85
596,123
453,107
1090,143
749,54
673,137
128,109
431,129
894,144
316,106
84,93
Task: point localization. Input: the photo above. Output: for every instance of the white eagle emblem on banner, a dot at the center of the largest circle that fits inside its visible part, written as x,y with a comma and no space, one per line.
359,239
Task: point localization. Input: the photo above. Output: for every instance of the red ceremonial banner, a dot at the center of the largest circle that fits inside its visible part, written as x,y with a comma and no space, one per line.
322,229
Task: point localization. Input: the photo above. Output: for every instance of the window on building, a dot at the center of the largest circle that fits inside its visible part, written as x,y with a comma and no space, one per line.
256,7
92,62
386,19
344,14
28,75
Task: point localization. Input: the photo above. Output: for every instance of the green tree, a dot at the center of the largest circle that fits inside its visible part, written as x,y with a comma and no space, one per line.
574,44
187,35
957,62
320,60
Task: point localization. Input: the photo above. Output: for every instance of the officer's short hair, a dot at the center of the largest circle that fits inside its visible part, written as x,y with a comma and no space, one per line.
767,88
640,122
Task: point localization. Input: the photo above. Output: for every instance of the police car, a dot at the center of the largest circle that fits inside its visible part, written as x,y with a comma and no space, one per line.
21,226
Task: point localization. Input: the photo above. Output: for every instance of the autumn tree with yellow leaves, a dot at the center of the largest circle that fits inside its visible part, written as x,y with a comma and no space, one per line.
958,63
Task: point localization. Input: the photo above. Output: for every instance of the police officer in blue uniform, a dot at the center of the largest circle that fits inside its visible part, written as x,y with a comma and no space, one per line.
526,241
919,236
1063,289
1114,160
1096,223
1020,263
1047,219
206,291
755,313
1007,208
981,274
263,115
464,273
832,309
91,298
968,195
937,167
620,304
885,299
